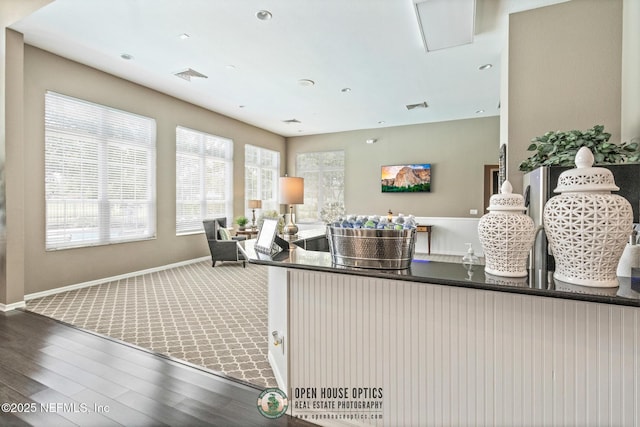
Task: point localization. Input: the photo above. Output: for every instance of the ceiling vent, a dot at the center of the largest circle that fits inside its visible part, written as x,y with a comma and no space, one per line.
414,106
189,73
444,24
291,121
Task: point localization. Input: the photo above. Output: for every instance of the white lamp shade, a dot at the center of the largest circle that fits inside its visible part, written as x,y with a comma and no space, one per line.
291,190
255,204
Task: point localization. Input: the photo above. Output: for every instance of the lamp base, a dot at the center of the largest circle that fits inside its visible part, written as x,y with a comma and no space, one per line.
289,237
290,231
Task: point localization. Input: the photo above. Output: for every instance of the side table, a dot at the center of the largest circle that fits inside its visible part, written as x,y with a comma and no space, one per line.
250,233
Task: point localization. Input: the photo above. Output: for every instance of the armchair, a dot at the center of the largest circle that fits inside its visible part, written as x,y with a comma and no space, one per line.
221,250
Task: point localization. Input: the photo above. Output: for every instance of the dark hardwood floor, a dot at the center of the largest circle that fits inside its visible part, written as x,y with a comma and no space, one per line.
52,374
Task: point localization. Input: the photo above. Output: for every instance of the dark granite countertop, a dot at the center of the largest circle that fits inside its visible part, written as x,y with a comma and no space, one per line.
451,274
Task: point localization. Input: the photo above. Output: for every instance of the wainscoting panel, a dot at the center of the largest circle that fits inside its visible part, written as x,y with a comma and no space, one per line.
450,235
463,357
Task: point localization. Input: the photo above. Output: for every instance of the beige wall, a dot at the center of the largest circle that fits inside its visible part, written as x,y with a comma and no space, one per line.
11,128
630,123
564,73
457,151
47,270
14,191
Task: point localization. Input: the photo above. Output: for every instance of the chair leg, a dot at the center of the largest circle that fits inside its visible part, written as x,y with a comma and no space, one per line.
244,264
214,263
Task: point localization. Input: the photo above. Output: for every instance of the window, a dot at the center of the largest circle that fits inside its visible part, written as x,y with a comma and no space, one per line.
204,179
261,172
323,174
99,174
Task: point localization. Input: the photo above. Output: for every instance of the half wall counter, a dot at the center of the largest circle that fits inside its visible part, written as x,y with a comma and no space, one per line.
442,344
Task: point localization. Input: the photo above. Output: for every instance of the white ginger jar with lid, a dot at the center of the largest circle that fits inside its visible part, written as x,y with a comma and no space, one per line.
506,234
587,226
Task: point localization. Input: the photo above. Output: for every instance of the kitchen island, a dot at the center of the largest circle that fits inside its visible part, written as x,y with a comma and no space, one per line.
443,344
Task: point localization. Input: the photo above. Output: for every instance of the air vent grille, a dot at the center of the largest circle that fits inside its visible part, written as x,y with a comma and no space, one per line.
189,73
419,105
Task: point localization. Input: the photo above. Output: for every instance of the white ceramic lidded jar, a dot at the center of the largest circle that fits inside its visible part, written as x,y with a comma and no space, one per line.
587,226
506,234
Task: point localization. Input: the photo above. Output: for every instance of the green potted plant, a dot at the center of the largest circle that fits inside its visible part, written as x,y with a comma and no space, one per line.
242,222
559,148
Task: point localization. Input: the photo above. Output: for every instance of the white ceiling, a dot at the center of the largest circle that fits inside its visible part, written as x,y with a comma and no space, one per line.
373,47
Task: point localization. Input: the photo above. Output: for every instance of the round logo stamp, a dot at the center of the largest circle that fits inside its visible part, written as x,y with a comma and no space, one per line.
273,403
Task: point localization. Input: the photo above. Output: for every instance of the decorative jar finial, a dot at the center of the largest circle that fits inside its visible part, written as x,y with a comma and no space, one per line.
506,188
584,158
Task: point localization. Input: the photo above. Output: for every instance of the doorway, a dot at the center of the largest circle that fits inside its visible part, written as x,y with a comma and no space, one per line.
491,183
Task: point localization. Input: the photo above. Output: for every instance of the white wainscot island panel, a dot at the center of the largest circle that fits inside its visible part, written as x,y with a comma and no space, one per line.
372,351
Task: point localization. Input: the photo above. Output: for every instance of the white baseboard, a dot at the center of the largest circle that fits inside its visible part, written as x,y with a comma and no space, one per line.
276,373
110,279
13,306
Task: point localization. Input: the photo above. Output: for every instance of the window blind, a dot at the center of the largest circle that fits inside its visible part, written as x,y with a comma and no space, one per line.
323,174
99,174
204,179
261,172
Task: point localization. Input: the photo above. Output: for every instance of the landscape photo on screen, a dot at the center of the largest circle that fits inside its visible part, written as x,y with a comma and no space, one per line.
410,178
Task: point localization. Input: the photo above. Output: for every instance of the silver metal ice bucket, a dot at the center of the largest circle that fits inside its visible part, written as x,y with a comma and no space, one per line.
370,248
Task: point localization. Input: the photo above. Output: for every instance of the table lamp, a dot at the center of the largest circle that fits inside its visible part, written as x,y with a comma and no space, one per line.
291,193
253,205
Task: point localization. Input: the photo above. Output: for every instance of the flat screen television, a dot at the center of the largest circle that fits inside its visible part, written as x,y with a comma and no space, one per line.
409,178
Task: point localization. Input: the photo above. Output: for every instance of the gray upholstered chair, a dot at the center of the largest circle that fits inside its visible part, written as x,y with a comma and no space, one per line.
222,249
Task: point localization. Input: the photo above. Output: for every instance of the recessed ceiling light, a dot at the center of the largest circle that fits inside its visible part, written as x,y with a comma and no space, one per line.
291,121
479,111
240,106
306,82
126,57
264,15
485,67
346,89
371,141
230,67
184,36
381,122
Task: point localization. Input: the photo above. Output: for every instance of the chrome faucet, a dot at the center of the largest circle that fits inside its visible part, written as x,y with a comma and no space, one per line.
538,278
532,252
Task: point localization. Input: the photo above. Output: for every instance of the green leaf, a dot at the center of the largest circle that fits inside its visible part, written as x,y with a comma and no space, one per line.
525,166
546,148
560,148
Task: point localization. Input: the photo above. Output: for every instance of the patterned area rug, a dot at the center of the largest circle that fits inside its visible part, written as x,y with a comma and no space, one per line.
210,317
